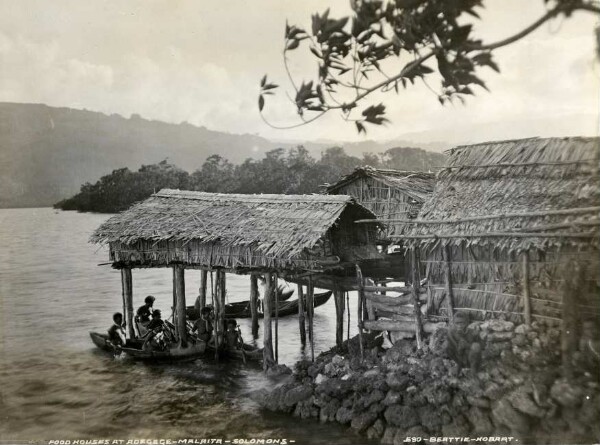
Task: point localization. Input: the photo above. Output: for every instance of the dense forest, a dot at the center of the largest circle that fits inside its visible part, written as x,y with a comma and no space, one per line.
291,171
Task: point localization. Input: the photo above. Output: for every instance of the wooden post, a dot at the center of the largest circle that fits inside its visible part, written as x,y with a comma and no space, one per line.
569,334
369,314
340,308
201,300
180,305
174,302
218,327
254,304
526,290
127,284
416,284
268,360
310,303
348,310
276,294
359,278
301,310
448,282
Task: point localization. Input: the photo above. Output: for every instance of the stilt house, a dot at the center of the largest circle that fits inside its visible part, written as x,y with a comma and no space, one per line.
289,235
512,230
389,194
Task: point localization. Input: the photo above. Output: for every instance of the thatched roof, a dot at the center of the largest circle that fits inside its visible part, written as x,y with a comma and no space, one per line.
499,192
274,226
417,185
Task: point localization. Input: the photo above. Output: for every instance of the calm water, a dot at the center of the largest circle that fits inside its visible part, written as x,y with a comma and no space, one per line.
55,385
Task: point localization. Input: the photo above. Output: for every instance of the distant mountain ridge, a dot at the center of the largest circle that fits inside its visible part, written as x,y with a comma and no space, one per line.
47,153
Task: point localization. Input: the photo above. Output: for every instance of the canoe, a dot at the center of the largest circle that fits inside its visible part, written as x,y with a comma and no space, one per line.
133,348
251,353
192,351
236,309
102,342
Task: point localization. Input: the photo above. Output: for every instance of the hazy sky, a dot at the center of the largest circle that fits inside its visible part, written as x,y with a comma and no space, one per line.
201,62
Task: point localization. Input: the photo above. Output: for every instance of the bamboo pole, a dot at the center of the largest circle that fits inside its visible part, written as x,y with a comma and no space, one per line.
180,305
448,282
276,287
359,278
123,296
590,234
416,281
310,302
484,217
254,304
339,312
201,300
526,289
268,360
301,310
127,283
217,311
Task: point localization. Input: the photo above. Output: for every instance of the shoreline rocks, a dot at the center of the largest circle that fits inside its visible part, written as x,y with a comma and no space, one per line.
509,384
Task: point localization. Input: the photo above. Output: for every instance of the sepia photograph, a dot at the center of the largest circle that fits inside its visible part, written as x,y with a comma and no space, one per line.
340,222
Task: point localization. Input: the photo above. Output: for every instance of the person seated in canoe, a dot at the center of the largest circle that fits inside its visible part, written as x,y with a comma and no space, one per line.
143,314
204,325
116,333
158,335
232,335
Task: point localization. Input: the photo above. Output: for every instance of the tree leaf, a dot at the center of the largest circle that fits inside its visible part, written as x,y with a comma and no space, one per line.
261,102
360,128
293,45
263,81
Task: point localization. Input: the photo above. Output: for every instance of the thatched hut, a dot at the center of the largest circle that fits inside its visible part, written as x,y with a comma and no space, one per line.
389,194
512,229
303,235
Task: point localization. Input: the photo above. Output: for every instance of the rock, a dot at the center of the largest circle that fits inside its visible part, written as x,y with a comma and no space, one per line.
414,399
374,397
458,427
504,414
521,400
496,337
522,329
437,394
337,360
392,398
417,431
401,416
429,417
306,409
480,420
295,395
278,370
376,430
566,393
389,435
479,402
397,381
335,387
498,325
438,342
343,415
493,391
362,421
329,410
321,378
519,340
371,373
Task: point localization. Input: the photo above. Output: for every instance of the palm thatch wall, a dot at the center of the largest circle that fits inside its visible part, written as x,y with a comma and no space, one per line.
497,202
389,194
269,232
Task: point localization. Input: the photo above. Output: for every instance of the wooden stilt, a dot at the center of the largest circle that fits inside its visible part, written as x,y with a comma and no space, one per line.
123,296
526,289
301,310
339,315
276,294
448,283
310,304
127,283
348,314
268,359
180,305
254,304
416,284
201,300
359,278
569,334
218,327
174,303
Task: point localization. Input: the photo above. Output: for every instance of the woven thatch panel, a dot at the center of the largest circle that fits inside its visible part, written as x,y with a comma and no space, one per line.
278,231
486,188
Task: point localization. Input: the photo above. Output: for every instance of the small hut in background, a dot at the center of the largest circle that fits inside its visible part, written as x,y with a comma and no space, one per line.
389,194
512,229
299,235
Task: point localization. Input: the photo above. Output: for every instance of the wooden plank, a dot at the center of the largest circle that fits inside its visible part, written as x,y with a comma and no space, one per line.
254,304
389,301
526,290
268,357
416,279
301,310
400,325
448,283
402,289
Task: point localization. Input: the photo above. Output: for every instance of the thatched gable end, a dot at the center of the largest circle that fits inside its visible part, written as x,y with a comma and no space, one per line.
389,194
515,194
234,230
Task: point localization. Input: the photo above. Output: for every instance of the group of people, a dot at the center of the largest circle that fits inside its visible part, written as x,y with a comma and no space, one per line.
157,333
